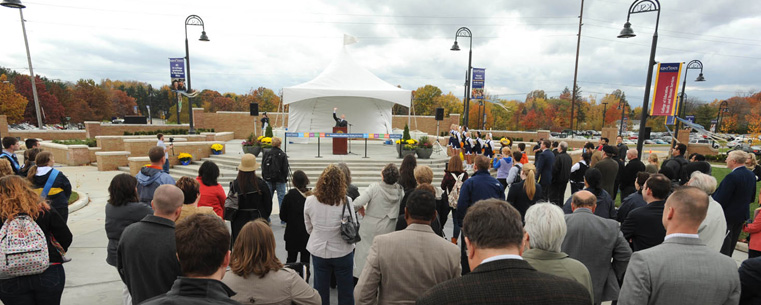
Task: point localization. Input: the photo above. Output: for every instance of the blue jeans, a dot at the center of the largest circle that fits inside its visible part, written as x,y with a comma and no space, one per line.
280,188
343,268
44,288
455,226
166,166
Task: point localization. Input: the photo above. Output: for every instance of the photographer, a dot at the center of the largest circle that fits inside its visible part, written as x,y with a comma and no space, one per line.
161,144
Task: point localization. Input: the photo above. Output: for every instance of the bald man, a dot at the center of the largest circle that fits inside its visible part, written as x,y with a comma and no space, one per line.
681,270
146,255
630,173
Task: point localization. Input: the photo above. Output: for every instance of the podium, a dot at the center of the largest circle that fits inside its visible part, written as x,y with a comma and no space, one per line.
339,144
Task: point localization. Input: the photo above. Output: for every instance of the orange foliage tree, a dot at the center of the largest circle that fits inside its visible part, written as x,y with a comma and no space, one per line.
13,104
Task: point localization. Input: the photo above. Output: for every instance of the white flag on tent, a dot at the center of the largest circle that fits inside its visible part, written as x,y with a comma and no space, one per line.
348,39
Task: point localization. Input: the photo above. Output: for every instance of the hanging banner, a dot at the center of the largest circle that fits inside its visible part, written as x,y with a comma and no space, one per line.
177,71
666,86
670,120
477,89
713,125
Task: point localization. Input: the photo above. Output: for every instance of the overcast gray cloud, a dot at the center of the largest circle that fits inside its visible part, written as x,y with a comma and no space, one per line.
524,45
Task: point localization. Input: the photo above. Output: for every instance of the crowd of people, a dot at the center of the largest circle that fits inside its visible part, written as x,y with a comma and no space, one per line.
669,242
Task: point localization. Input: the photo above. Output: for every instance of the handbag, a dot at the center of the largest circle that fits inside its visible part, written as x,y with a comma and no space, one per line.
231,203
349,226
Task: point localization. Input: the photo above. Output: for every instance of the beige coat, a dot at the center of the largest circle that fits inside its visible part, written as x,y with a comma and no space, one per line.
402,265
282,287
189,209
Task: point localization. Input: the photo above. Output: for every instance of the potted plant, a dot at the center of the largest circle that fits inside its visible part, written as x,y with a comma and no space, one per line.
185,158
217,148
265,143
250,147
424,148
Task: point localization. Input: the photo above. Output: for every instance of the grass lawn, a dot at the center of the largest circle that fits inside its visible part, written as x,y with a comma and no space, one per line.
74,197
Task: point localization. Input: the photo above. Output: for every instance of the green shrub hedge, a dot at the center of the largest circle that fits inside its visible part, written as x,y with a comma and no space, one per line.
175,131
88,142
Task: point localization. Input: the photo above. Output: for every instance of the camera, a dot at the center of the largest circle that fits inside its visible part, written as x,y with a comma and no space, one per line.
171,140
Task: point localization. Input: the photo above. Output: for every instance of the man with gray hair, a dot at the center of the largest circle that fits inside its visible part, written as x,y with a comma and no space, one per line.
713,229
681,270
629,175
146,255
561,173
735,193
598,244
546,229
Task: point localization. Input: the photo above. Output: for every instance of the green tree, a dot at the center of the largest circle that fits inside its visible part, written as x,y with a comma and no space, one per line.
424,100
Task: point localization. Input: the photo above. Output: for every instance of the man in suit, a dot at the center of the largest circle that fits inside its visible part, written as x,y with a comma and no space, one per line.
598,244
561,173
478,187
682,270
642,227
630,173
622,148
750,280
735,193
609,169
340,122
404,264
495,240
544,163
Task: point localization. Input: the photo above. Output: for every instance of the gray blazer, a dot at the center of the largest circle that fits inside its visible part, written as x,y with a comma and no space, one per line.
594,241
681,270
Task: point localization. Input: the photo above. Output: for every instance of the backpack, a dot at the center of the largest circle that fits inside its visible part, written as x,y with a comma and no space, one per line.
23,248
517,177
271,166
454,195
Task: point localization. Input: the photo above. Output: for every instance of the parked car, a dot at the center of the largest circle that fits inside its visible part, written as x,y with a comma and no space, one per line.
649,142
749,149
659,141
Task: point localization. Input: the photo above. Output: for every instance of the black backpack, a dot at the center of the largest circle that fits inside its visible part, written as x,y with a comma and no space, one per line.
518,176
271,166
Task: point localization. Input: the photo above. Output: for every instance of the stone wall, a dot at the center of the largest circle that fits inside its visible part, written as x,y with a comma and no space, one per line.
92,151
198,150
4,126
240,123
703,149
68,154
111,160
94,129
48,135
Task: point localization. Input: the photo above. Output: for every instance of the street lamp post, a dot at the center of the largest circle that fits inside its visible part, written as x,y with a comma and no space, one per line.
465,32
604,112
622,107
723,108
644,6
17,4
695,64
192,20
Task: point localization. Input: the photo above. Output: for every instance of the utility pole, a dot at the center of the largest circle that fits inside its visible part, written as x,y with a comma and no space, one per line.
576,66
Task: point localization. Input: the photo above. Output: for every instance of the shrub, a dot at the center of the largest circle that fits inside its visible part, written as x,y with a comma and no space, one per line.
174,131
406,134
268,131
424,143
88,142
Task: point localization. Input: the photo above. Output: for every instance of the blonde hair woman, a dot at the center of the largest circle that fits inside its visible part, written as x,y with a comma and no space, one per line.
257,275
652,164
524,194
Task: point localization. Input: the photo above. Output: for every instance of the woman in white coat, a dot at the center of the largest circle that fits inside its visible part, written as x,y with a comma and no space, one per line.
379,206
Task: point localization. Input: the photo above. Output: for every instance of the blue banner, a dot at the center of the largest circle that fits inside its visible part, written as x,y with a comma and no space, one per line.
670,120
177,71
342,135
690,118
477,87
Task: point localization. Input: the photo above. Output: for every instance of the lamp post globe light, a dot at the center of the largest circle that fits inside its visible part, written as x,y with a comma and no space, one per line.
192,20
17,4
604,112
465,32
644,6
695,65
723,108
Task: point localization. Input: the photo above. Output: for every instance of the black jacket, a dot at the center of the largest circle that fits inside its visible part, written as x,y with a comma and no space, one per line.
750,280
147,258
117,219
339,122
275,170
544,163
735,193
60,200
251,205
292,212
629,176
630,203
609,170
561,171
507,281
190,291
697,166
643,226
606,208
518,198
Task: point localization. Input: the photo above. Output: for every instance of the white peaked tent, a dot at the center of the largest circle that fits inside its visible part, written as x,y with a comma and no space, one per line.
365,99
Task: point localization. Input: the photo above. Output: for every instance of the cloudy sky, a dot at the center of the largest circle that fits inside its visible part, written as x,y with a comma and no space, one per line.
524,45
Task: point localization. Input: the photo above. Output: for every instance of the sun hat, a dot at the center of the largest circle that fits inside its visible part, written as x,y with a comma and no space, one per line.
248,163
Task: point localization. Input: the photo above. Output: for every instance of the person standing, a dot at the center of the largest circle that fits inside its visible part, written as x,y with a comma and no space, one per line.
385,278
323,213
44,177
514,175
681,270
677,162
642,227
750,280
735,193
598,244
606,208
480,186
622,149
254,197
524,155
609,170
455,139
630,173
152,176
340,122
698,163
275,170
147,252
525,193
211,192
10,146
561,173
577,172
503,163
265,122
598,152
292,212
190,191
379,207
544,163
21,206
351,190
635,200
714,227
652,164
203,244
160,143
495,238
452,174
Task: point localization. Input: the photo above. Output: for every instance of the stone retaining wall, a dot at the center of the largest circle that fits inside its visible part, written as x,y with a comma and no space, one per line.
111,160
68,154
198,150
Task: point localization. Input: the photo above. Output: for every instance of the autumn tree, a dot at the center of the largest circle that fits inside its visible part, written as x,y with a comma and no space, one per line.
92,99
122,103
424,100
13,104
52,111
267,99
